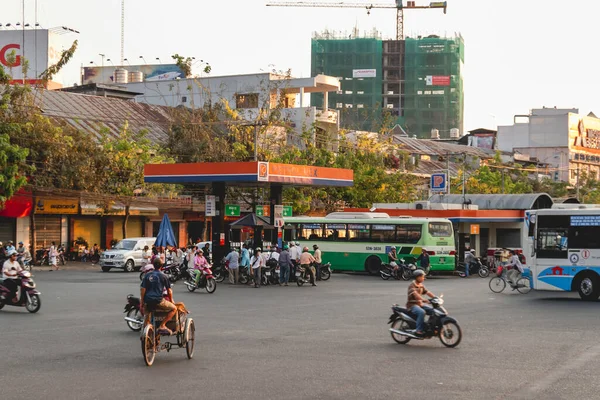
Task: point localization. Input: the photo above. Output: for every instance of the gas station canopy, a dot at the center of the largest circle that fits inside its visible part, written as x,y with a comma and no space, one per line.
249,173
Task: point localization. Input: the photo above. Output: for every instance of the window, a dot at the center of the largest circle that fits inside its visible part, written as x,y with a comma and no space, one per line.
383,233
249,100
552,243
348,105
339,105
440,229
583,232
360,106
310,232
409,234
360,92
348,92
358,233
335,232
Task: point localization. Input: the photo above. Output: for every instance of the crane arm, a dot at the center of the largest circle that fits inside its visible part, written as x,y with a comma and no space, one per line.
331,5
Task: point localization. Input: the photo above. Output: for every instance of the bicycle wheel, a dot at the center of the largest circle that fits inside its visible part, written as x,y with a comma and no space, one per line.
497,284
523,285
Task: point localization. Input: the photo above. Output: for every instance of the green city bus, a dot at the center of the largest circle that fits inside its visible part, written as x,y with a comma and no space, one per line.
360,241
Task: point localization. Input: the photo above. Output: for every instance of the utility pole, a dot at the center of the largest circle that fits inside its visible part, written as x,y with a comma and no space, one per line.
577,184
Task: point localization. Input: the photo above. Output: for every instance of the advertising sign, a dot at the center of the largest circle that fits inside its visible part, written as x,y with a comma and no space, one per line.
211,206
475,229
437,80
278,216
439,183
41,49
263,171
56,206
158,72
364,73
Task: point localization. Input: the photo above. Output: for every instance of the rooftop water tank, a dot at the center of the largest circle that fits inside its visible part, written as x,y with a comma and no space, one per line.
136,76
121,75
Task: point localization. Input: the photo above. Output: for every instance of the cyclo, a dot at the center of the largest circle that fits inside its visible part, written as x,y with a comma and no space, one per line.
183,329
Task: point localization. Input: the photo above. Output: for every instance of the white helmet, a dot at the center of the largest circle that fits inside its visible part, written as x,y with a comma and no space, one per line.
418,272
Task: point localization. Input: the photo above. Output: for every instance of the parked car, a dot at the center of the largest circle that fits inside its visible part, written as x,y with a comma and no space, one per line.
126,254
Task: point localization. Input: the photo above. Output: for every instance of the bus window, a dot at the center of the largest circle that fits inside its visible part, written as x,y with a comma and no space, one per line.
335,232
440,229
310,232
409,234
383,233
289,232
358,233
552,243
583,237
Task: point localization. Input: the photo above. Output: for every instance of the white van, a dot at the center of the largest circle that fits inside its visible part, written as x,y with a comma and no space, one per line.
126,254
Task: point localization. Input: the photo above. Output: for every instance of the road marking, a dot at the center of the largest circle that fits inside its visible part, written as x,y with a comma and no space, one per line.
553,376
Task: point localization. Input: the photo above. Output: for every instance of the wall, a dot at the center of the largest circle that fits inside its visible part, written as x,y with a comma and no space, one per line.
549,131
23,232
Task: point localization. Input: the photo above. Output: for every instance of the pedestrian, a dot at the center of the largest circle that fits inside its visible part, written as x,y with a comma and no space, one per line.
424,257
306,259
85,254
285,263
245,263
257,262
162,255
146,256
294,256
318,261
52,255
233,258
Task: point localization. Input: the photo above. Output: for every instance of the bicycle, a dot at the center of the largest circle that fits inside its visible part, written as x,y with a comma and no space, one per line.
498,284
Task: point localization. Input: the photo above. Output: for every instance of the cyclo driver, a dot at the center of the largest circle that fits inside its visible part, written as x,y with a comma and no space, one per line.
151,293
416,303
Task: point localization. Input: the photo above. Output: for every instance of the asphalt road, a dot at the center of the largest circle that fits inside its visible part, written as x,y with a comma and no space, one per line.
328,342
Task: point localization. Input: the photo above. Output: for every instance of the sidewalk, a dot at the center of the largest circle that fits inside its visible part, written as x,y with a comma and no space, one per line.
70,265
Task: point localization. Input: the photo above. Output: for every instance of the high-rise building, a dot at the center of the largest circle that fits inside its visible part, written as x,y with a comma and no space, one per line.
416,83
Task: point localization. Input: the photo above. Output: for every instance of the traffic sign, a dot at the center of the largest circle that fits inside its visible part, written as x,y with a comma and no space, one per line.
210,206
232,210
278,216
439,183
475,229
263,211
287,211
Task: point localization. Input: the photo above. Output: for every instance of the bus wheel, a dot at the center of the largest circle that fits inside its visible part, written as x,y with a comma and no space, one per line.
588,286
373,265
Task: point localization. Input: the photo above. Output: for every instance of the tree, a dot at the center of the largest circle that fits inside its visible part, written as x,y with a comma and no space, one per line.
12,167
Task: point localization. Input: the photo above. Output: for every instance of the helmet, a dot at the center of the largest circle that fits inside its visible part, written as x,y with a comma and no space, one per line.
11,253
200,251
258,249
393,264
315,246
305,248
418,272
423,249
20,242
286,247
473,251
10,242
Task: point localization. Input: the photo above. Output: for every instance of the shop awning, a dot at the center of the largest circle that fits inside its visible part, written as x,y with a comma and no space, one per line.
18,206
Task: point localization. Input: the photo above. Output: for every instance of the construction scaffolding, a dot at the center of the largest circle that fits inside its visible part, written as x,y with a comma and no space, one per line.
432,95
356,61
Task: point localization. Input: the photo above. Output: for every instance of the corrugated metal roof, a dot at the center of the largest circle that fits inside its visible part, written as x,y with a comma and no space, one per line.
499,201
96,115
434,147
429,167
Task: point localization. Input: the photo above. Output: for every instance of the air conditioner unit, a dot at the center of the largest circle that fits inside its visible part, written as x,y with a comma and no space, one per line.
422,205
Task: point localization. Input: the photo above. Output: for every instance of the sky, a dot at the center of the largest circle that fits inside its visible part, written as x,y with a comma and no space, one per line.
519,54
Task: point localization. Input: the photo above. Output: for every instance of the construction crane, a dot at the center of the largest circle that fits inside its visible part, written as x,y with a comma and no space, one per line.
399,6
122,31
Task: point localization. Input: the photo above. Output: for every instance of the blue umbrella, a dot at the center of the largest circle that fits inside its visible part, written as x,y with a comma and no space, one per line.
165,236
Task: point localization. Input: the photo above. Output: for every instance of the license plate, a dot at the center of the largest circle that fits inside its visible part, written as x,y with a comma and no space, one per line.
267,273
442,260
297,273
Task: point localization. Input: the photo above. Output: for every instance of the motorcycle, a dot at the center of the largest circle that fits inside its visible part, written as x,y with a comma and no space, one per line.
29,297
221,271
326,271
206,281
134,318
42,257
388,271
302,275
437,324
475,268
173,272
270,273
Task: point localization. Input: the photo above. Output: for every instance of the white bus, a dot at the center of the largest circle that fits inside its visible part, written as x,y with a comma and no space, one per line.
563,245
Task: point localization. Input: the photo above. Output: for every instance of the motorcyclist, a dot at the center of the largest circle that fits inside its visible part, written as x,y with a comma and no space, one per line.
10,274
152,294
318,260
23,254
306,259
424,258
393,259
199,264
10,246
416,302
470,259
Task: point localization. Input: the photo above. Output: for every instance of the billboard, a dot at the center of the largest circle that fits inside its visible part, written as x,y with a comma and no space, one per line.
364,73
40,47
156,72
437,80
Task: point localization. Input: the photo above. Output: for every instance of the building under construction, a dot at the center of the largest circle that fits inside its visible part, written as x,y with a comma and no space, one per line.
416,82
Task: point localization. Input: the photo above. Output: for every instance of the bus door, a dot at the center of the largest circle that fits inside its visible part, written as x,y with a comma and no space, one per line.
551,252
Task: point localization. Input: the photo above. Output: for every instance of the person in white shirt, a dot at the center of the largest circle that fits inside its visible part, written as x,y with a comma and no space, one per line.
52,255
318,261
233,260
294,256
257,262
10,274
517,268
273,254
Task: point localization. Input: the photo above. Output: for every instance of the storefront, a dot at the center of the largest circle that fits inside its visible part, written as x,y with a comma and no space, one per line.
15,218
50,220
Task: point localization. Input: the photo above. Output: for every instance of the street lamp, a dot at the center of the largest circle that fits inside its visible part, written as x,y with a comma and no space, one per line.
142,57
